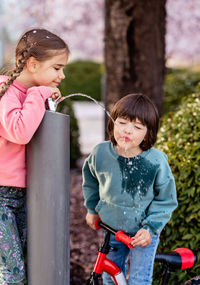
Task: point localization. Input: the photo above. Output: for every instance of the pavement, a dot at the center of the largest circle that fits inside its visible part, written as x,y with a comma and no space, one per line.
90,118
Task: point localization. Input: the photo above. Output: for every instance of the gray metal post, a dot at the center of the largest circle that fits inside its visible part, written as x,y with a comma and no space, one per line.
48,202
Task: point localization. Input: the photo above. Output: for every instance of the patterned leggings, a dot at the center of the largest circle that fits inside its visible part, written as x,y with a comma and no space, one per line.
12,234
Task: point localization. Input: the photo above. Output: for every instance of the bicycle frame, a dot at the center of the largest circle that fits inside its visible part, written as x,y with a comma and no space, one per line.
104,264
180,258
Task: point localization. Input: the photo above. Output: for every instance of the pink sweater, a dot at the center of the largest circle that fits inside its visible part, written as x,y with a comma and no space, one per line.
21,112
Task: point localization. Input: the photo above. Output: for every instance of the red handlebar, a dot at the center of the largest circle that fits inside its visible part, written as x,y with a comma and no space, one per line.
119,235
97,223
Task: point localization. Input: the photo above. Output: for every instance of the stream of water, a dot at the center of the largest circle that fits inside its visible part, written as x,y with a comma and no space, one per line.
59,100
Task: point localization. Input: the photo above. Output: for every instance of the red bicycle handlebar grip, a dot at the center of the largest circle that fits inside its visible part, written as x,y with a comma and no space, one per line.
121,236
96,224
188,257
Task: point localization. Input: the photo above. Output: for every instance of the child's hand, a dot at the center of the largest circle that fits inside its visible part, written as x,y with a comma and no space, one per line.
91,219
142,238
56,93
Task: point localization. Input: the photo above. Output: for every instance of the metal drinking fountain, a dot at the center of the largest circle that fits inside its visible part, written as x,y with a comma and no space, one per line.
48,157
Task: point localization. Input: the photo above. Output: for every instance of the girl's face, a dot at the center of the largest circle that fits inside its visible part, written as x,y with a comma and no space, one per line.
129,134
50,72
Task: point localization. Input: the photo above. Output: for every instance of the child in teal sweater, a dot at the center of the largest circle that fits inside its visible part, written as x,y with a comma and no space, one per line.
129,185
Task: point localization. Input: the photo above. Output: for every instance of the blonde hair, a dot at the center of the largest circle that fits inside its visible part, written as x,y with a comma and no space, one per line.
38,43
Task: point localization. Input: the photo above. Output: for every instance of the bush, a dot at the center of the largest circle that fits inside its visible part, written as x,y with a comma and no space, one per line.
179,138
82,77
178,83
65,107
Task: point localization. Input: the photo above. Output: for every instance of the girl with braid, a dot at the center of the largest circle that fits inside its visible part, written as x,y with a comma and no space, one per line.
40,59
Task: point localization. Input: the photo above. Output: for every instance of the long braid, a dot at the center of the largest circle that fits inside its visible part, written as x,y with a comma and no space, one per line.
16,71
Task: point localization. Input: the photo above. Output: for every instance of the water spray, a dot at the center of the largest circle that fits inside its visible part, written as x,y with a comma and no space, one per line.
52,105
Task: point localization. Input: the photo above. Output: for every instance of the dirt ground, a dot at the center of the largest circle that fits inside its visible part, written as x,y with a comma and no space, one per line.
84,241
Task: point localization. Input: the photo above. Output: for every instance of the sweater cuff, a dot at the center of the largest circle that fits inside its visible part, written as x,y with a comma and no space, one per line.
44,91
90,211
146,227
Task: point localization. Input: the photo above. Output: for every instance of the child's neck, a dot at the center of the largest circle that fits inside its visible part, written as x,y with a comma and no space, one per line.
25,79
128,152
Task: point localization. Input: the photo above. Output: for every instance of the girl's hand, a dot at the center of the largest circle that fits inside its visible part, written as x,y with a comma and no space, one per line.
56,93
91,220
142,238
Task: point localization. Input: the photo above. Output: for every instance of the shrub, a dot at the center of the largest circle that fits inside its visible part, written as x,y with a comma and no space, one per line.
178,83
65,107
82,77
179,138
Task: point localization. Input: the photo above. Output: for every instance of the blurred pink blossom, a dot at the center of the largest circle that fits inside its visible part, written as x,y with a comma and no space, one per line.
81,24
183,25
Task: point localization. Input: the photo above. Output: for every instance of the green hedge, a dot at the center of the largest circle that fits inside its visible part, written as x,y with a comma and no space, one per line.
66,107
83,77
80,77
179,138
178,83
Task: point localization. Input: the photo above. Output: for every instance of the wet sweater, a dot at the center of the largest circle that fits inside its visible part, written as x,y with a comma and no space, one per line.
21,111
129,193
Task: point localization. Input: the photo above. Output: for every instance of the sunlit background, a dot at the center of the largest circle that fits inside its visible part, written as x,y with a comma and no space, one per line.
81,24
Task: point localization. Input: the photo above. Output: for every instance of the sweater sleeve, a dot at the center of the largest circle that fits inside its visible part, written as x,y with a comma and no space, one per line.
90,185
164,203
19,120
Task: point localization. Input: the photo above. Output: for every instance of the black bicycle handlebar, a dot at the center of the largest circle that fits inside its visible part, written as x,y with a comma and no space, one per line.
119,235
99,224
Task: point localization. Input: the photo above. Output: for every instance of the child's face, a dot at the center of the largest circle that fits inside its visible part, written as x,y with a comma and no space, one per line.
50,72
129,134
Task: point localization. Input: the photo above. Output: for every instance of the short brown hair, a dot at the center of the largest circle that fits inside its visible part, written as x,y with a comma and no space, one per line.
132,107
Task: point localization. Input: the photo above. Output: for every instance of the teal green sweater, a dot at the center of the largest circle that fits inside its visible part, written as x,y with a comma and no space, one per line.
129,193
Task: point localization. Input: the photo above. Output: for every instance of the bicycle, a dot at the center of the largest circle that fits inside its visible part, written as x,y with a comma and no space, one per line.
180,258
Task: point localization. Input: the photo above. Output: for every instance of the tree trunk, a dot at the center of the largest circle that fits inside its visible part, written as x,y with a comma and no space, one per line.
134,49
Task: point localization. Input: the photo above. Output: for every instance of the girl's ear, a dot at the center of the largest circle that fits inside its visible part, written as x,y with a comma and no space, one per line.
32,64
